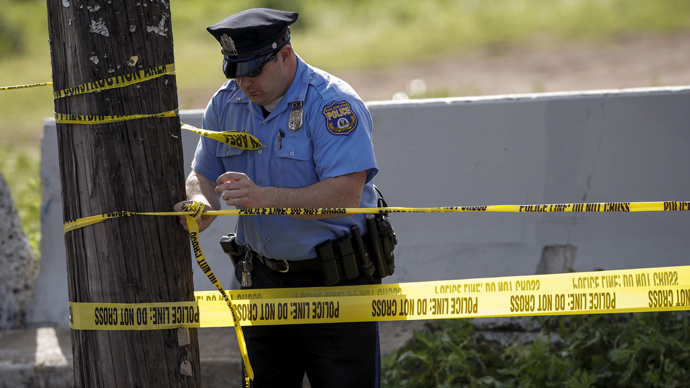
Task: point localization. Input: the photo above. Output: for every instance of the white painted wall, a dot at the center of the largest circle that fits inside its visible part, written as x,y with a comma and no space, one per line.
602,146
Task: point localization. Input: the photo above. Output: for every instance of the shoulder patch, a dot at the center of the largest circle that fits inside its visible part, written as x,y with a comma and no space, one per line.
340,119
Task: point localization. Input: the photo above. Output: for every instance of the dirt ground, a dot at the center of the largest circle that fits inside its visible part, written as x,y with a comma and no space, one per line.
539,66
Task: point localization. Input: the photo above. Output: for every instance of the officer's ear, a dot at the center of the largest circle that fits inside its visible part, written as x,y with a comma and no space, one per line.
285,53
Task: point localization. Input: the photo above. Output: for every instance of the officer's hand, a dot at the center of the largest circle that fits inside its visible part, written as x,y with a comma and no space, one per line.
237,189
204,221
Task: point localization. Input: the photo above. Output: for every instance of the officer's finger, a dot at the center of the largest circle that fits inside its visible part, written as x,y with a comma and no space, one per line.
230,176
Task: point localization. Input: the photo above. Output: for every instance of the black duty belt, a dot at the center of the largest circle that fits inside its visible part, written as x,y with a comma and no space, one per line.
285,266
345,258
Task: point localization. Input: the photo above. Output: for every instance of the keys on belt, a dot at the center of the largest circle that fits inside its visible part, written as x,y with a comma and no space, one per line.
246,266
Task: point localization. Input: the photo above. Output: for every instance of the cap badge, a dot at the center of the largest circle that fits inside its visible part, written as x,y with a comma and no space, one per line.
296,114
228,45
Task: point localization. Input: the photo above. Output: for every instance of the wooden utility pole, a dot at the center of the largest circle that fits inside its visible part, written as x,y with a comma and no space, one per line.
134,165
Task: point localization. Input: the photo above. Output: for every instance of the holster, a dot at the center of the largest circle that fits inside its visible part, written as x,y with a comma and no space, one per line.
387,242
232,248
370,254
386,236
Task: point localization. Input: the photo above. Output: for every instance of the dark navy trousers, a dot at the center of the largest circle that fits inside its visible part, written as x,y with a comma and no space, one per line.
333,355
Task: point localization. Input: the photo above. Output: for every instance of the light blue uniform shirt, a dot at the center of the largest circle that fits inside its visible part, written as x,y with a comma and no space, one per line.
334,140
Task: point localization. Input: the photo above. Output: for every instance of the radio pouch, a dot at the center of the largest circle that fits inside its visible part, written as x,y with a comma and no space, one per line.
385,235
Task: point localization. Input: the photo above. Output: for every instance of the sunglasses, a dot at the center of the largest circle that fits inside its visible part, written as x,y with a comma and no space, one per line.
256,72
251,68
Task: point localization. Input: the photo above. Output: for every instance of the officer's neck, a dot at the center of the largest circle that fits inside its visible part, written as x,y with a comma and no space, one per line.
268,108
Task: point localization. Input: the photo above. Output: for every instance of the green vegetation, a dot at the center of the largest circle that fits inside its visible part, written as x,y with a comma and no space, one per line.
622,350
20,170
331,35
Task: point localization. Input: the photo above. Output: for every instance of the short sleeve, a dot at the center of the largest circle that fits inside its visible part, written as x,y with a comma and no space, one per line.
342,139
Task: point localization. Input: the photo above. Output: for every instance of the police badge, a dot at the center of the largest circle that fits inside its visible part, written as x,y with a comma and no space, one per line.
228,46
296,114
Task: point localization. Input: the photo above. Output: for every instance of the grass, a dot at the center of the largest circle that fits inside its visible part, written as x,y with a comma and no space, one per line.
330,35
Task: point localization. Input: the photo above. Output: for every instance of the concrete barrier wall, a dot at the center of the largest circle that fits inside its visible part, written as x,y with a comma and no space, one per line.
602,146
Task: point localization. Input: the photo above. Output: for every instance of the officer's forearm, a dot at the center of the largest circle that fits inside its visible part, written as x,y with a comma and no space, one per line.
339,192
201,189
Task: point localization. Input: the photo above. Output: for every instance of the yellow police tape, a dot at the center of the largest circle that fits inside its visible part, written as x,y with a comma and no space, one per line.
196,209
25,86
241,140
104,84
119,81
62,118
613,291
603,207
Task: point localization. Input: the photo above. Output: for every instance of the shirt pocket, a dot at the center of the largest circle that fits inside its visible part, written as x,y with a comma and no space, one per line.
297,149
225,150
295,163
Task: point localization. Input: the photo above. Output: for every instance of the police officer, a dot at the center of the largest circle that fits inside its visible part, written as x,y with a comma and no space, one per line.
317,153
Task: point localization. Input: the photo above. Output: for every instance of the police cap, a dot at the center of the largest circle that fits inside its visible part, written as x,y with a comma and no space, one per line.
249,37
